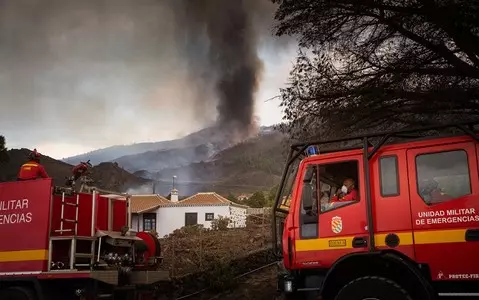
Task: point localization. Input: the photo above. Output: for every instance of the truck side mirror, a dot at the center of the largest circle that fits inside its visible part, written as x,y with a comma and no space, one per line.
308,174
307,193
307,196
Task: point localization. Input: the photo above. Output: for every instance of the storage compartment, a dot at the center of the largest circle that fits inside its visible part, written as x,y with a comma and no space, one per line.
109,212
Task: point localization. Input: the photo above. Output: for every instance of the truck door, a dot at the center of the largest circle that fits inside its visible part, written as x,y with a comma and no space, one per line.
390,197
444,195
338,227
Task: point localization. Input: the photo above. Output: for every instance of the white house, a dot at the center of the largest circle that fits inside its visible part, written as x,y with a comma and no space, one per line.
165,216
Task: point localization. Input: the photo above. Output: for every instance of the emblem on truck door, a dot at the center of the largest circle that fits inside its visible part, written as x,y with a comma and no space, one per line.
336,224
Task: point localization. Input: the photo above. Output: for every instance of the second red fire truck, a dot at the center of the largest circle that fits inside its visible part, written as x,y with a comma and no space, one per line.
56,243
410,233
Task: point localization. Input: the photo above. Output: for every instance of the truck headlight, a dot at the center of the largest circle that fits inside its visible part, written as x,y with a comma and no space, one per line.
288,286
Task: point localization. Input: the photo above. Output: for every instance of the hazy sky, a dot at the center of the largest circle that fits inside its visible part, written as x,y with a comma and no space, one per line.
77,76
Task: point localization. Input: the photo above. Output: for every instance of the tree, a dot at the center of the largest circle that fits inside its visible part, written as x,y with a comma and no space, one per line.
256,200
371,64
232,198
272,194
3,150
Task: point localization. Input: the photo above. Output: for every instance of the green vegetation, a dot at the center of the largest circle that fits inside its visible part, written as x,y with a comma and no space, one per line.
257,200
232,198
220,223
3,150
272,195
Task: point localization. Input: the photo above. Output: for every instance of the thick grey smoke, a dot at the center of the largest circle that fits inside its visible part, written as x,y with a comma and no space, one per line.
231,54
122,70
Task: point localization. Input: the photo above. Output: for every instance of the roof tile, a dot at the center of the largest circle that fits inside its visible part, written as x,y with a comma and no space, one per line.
205,198
145,203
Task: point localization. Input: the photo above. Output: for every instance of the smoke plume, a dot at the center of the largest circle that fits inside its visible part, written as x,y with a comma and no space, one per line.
231,56
119,71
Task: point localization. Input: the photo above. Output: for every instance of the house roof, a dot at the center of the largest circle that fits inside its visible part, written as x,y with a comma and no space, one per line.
204,199
145,203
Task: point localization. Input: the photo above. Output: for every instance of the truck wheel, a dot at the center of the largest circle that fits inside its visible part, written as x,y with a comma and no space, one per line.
372,288
17,293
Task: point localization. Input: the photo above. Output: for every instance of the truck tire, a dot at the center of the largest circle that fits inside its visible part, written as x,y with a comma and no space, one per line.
17,293
372,287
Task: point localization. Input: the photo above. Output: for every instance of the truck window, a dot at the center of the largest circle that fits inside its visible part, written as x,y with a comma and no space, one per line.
309,206
443,176
334,175
389,177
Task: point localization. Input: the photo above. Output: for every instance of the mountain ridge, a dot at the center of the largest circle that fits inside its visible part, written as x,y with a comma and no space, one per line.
111,153
252,165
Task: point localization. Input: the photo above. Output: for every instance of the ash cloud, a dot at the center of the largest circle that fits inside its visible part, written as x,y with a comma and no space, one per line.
224,35
121,71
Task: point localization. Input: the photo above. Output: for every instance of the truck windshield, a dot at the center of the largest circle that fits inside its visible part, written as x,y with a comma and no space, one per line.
286,189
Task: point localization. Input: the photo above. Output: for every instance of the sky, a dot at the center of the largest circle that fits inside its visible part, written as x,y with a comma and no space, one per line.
76,77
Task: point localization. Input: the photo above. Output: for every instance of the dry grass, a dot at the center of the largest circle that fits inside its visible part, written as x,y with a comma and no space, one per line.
191,249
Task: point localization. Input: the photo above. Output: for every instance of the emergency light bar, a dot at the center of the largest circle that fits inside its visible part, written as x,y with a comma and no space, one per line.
312,150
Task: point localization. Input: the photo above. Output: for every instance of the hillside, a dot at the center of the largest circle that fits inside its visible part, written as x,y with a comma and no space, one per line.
117,151
169,158
106,175
56,169
204,142
250,166
253,165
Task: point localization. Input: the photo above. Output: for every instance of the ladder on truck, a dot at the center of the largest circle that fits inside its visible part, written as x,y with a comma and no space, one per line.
62,216
72,236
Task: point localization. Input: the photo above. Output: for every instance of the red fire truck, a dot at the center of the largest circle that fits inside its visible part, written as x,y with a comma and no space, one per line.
404,226
60,244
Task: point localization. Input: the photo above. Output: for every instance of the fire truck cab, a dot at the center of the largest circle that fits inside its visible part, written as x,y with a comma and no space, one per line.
411,232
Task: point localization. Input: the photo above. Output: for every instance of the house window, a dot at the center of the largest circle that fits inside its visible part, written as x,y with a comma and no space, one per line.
149,221
209,216
443,176
388,168
191,219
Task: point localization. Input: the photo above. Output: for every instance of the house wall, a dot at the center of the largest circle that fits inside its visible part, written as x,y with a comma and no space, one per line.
258,211
237,216
171,218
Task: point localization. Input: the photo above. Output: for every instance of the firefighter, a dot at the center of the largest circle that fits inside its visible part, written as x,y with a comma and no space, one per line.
348,192
78,171
32,169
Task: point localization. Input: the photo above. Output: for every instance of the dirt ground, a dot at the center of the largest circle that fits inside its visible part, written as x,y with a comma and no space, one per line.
257,286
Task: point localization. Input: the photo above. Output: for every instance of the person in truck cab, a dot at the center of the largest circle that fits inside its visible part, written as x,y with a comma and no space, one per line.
432,193
348,192
32,169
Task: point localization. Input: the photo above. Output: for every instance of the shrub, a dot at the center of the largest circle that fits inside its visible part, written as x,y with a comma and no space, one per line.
220,223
